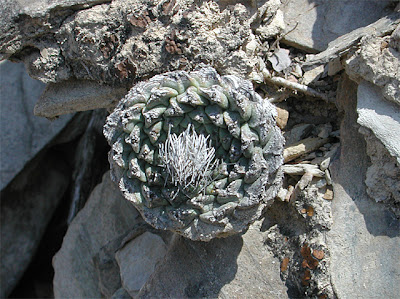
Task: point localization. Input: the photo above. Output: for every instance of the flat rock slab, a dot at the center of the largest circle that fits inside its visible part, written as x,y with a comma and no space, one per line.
365,237
233,267
105,217
23,134
138,259
322,21
76,95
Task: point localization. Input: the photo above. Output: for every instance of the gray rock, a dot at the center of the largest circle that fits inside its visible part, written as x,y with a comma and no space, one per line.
364,239
10,10
382,177
233,267
121,43
121,294
76,95
23,134
380,116
138,259
343,43
297,133
380,121
27,205
382,69
107,216
318,22
125,41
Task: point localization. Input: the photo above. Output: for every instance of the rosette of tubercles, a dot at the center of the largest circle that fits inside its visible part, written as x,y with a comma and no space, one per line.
196,153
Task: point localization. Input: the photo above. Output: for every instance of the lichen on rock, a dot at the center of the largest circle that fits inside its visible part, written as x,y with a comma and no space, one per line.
242,134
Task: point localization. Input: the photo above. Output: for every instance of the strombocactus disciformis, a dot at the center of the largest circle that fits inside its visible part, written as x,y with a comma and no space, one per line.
196,153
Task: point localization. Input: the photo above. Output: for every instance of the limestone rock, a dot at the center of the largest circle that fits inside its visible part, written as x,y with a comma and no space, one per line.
380,69
364,239
318,23
107,216
135,38
23,135
27,205
382,176
138,259
233,267
380,116
120,43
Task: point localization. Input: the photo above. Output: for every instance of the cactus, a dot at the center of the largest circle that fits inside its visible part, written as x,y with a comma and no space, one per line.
196,153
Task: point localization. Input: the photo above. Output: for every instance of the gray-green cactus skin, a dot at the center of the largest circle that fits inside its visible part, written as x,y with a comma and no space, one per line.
242,129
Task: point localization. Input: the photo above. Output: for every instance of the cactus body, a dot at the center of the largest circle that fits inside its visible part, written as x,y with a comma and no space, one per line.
226,121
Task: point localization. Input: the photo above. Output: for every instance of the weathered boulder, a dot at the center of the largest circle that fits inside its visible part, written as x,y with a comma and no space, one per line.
380,116
105,241
120,43
23,134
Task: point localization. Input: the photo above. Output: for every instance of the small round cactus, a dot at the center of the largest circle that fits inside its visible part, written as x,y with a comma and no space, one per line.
196,153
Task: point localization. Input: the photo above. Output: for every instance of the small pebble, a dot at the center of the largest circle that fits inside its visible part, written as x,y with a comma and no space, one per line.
318,254
282,194
328,194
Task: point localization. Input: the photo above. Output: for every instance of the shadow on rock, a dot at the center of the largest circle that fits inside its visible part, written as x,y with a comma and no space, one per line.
349,171
195,269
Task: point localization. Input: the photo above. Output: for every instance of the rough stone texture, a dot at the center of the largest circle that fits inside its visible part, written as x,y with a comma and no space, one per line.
381,69
27,205
106,217
318,22
138,259
23,135
298,237
122,42
381,126
242,130
364,239
382,177
136,38
380,116
233,267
